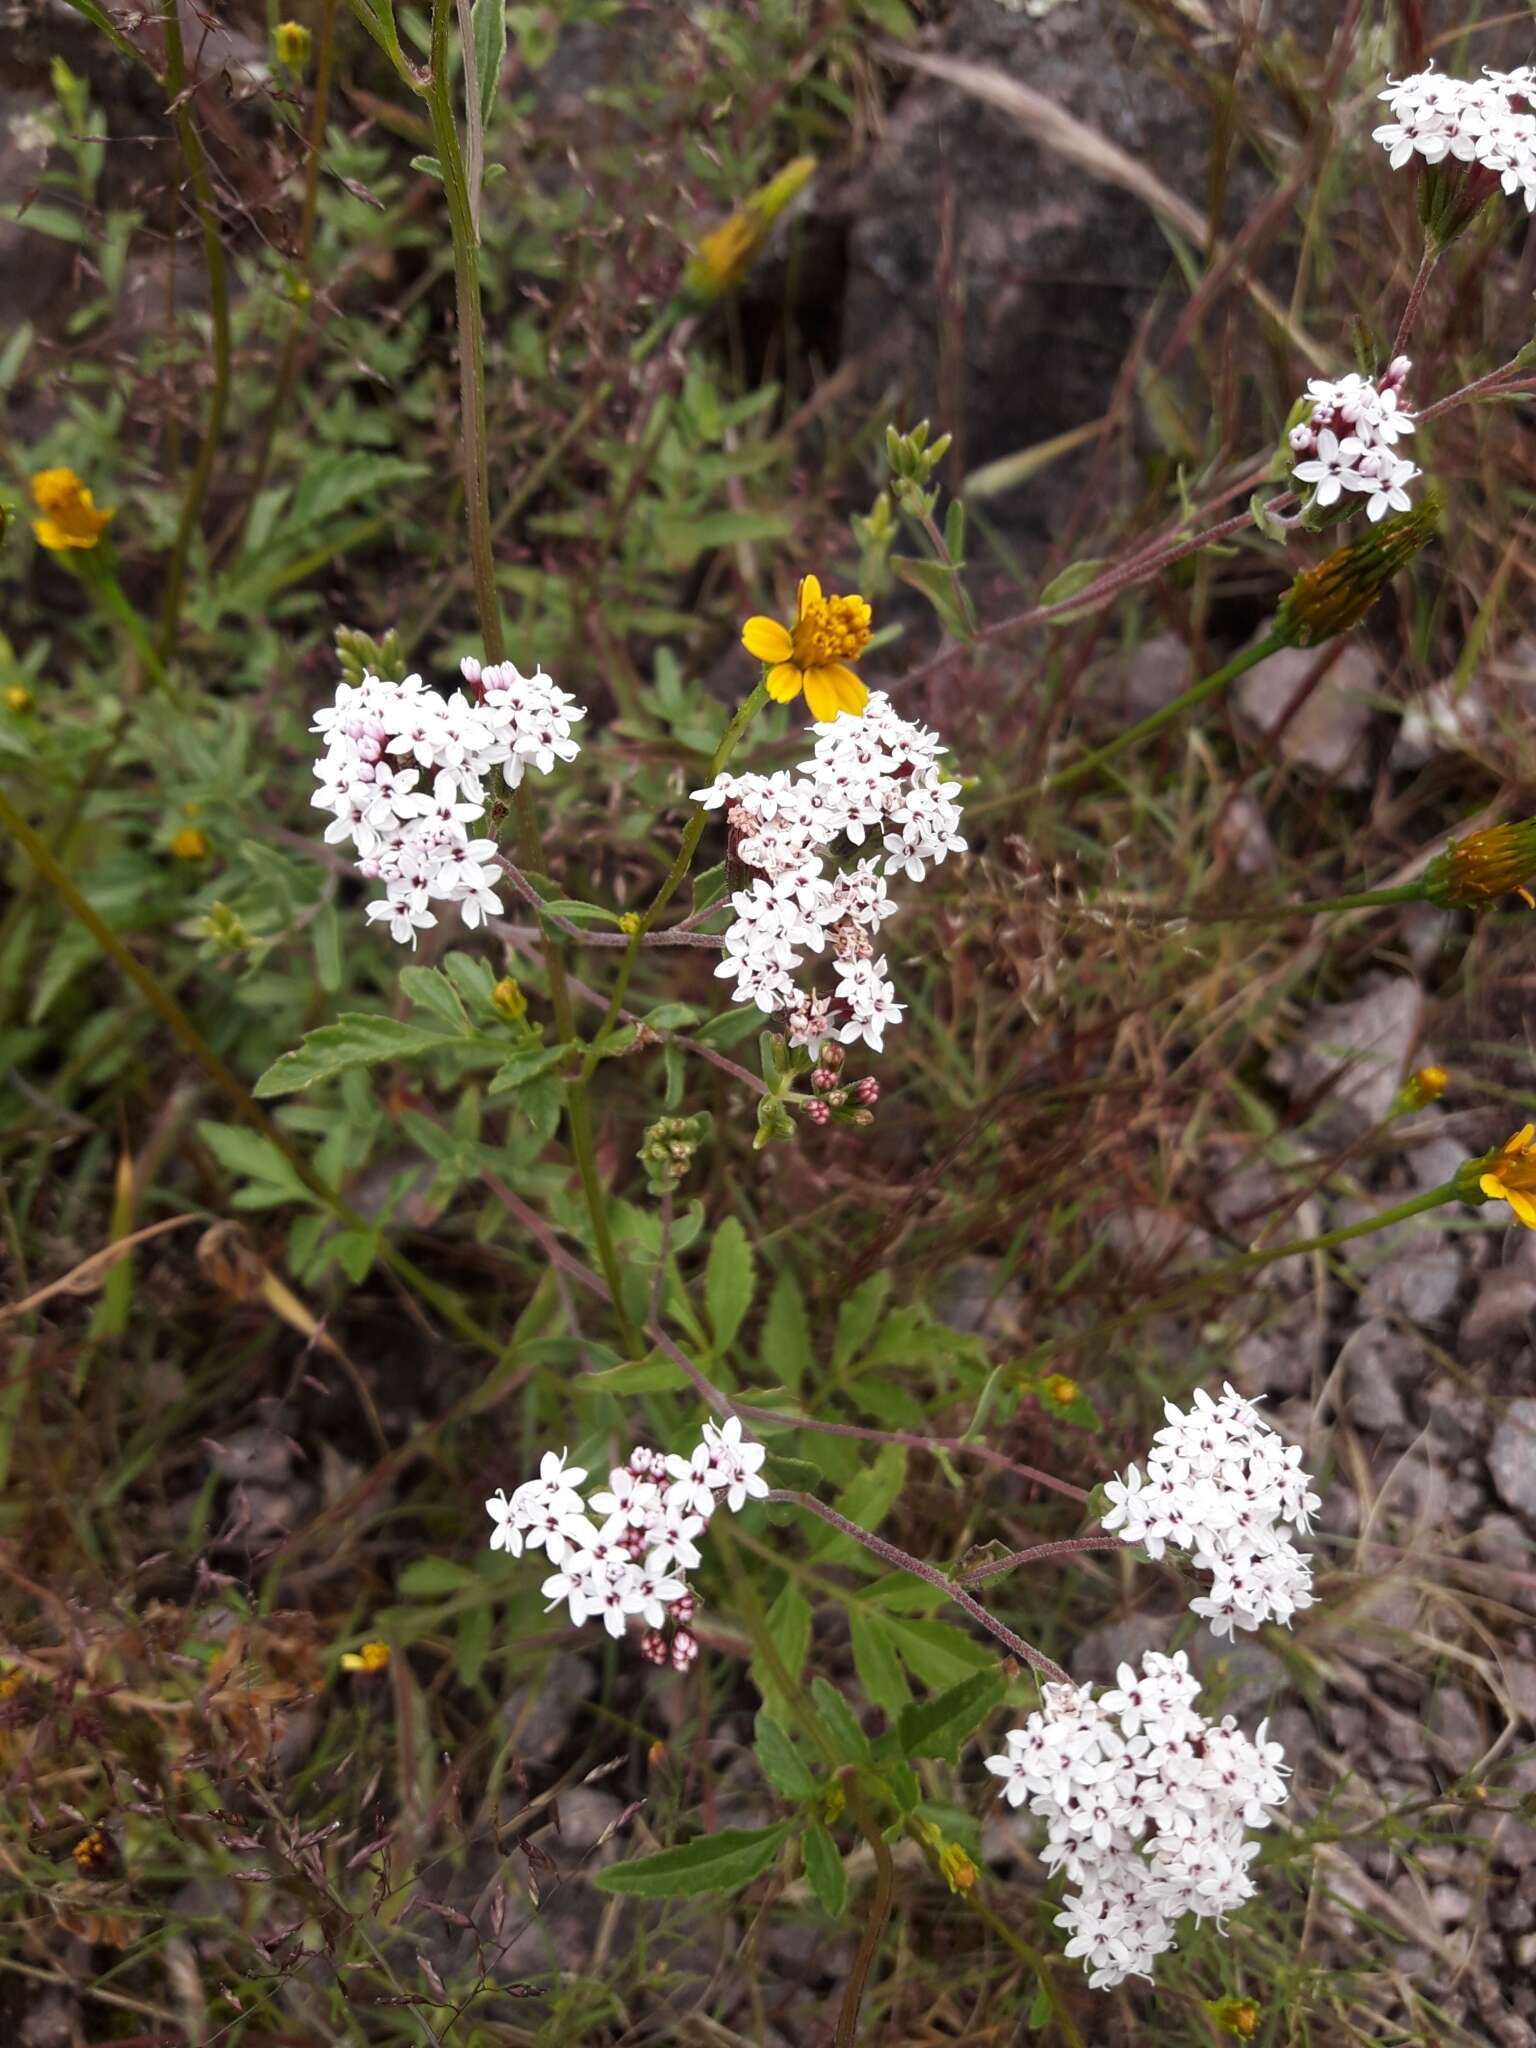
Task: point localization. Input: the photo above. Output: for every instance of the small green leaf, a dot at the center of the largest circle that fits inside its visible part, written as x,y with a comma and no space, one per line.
789,1630
937,1727
880,1673
848,1738
672,1017
728,1282
524,1067
1039,2011
824,1868
352,1041
783,1766
653,1375
489,29
428,166
857,1317
785,1344
430,1578
709,887
721,1862
426,989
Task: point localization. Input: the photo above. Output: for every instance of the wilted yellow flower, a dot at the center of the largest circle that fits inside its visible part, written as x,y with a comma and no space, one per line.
18,698
371,1657
960,1873
1239,2016
727,252
291,40
1510,1176
1058,1388
810,655
189,844
1476,870
1337,594
70,516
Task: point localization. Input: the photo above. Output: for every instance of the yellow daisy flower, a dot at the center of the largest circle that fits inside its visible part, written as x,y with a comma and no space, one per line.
71,518
371,1657
811,655
1512,1177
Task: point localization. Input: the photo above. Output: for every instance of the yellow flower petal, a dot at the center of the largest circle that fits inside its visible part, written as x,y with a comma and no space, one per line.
810,593
851,693
1493,1189
1521,1141
784,682
821,694
1523,1207
766,639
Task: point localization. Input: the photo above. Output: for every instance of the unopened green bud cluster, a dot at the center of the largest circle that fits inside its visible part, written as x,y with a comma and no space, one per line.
361,655
912,462
667,1150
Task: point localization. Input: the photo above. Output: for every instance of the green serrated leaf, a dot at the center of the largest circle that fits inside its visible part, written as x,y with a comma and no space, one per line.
788,1623
352,1041
874,1659
824,1868
721,1862
524,1067
848,1738
937,1727
635,1376
857,1317
785,1344
426,989
728,1282
783,1766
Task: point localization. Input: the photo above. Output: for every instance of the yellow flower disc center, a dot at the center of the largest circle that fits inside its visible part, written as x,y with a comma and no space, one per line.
831,629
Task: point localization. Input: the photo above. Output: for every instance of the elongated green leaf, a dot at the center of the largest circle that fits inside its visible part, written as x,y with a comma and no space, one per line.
524,1067
651,1375
722,1862
429,1578
934,1652
789,1630
875,1660
489,22
785,1346
352,1041
848,1737
783,1766
431,991
937,1727
728,1281
824,1868
252,1156
857,1317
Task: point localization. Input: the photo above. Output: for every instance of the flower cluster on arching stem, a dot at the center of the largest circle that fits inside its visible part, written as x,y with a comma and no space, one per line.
404,775
622,1551
1348,441
1147,1806
872,780
1224,1486
1483,124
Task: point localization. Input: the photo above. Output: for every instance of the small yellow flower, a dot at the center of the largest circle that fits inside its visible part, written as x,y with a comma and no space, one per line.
93,1853
1511,1176
71,518
1431,1083
508,1000
629,923
811,655
1239,2016
1058,1388
189,844
371,1657
291,40
1482,867
18,698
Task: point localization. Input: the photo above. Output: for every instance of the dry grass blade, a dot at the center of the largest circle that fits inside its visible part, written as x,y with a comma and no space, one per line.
90,1273
1076,143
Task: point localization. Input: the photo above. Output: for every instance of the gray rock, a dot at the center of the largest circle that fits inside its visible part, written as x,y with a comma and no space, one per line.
1156,1238
1419,1285
1275,1362
1372,1360
1501,1309
538,1715
1327,733
1456,1727
260,1455
1096,1656
1512,1457
1241,837
1362,1047
1148,679
1520,1684
1440,720
975,1299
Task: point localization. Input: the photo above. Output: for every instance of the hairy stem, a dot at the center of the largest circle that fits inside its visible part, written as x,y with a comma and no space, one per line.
1415,298
932,1576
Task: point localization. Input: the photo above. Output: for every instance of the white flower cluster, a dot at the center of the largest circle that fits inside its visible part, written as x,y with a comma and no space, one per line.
1146,1803
1487,122
1224,1486
383,739
873,778
1348,443
620,1553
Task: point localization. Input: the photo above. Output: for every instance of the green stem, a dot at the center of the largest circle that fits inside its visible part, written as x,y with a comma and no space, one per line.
477,501
1187,700
193,157
1362,899
693,832
879,1910
1451,1191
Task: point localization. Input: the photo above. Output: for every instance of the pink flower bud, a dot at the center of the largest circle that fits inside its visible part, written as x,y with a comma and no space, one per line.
868,1091
685,1650
653,1648
818,1113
